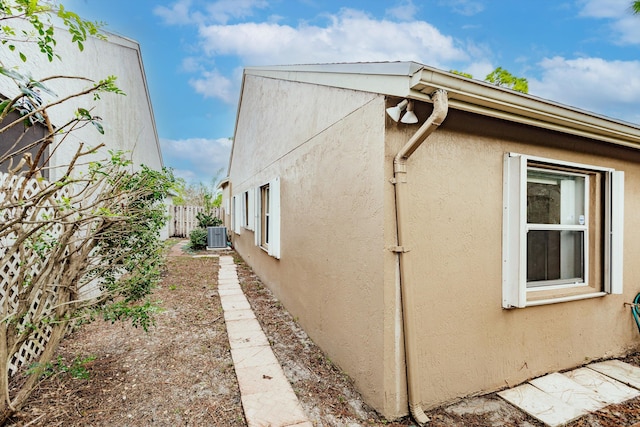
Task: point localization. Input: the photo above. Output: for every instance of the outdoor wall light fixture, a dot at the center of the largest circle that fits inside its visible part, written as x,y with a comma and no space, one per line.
409,117
396,112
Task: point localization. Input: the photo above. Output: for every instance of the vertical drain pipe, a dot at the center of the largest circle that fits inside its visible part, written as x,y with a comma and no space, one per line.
409,314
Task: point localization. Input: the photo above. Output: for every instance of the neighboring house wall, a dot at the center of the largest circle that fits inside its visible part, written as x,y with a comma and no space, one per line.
327,147
128,120
18,138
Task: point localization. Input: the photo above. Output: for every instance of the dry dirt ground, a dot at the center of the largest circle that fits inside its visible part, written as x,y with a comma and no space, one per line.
181,373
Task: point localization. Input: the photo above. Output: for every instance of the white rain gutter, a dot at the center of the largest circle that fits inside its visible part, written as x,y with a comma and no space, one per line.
407,289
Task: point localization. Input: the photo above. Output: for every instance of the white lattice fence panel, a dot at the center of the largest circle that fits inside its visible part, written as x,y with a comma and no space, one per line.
22,262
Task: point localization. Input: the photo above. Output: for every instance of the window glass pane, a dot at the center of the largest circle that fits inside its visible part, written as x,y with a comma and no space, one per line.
554,198
555,255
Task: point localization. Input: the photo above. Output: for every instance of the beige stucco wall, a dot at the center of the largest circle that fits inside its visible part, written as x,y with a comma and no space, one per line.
468,343
333,150
327,147
128,120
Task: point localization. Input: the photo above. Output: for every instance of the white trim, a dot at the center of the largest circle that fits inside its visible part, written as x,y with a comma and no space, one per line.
513,252
515,227
565,299
274,218
257,232
251,198
616,230
236,214
417,81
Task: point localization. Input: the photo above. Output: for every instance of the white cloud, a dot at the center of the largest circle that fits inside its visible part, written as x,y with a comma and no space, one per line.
177,14
464,7
405,11
628,28
611,88
351,36
222,11
181,12
604,8
625,25
212,84
197,159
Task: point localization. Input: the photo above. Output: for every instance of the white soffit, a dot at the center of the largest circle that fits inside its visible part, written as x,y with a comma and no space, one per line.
417,81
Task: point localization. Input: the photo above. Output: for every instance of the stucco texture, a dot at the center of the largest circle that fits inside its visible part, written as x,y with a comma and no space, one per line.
327,147
469,344
333,150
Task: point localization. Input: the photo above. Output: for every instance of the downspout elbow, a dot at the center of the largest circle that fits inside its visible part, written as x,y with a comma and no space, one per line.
439,113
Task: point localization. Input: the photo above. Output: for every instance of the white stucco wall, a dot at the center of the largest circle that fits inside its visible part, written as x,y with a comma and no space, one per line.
128,120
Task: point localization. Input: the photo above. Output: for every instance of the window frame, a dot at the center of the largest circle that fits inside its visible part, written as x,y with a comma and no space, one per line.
267,217
548,284
515,292
248,208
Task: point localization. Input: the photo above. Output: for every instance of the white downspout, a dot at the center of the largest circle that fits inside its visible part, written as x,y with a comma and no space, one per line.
409,315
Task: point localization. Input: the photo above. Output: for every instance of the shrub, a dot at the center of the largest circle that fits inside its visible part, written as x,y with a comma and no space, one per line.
198,238
207,220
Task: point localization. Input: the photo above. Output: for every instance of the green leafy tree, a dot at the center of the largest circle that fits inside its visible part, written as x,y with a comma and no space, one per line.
77,248
461,73
200,194
635,7
501,77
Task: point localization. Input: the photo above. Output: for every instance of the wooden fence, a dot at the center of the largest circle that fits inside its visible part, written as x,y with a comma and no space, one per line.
182,219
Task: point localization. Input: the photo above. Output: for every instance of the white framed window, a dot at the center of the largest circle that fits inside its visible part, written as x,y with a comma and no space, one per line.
562,231
248,209
236,214
267,217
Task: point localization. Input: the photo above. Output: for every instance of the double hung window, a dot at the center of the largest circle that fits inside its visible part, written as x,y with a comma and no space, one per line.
562,231
267,233
258,210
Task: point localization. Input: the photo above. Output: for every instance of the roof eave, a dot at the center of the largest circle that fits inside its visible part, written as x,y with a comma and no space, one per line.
488,100
418,81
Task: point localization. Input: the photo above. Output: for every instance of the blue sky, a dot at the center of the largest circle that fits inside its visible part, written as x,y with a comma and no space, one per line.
584,53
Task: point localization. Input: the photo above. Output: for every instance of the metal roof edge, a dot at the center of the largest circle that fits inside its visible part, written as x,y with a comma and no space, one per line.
418,81
487,99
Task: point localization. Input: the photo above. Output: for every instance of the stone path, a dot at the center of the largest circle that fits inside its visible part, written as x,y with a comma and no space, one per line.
268,399
267,396
557,399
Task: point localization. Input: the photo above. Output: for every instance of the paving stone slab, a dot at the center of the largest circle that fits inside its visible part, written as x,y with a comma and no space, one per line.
618,370
262,379
250,357
234,305
569,391
244,327
235,290
274,410
230,315
607,388
248,340
540,405
229,285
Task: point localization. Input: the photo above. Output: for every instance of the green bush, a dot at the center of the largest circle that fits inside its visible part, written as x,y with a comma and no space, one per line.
198,238
207,220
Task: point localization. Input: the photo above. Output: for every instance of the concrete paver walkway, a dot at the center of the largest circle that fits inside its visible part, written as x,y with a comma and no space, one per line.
557,399
267,396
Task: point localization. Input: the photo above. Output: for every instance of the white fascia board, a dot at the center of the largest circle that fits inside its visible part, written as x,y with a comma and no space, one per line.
393,85
417,81
486,99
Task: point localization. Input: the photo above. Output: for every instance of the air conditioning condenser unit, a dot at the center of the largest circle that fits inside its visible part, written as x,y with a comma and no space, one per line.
217,237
